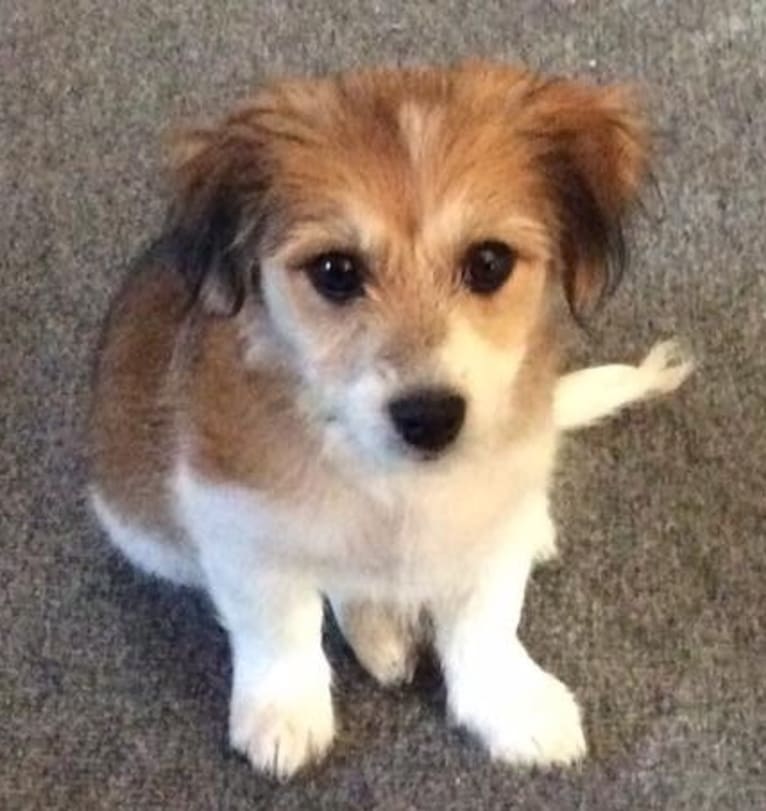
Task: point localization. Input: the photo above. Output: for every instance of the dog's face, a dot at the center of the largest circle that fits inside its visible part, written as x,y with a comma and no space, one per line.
404,233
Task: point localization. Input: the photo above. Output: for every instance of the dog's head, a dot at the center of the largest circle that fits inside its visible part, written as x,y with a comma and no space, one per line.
402,233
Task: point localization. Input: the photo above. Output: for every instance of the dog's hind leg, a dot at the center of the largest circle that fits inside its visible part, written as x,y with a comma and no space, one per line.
383,637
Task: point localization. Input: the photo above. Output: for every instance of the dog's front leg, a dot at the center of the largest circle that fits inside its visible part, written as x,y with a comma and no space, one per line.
522,713
281,713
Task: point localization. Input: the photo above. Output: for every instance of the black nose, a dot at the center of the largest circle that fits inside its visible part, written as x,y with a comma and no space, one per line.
428,419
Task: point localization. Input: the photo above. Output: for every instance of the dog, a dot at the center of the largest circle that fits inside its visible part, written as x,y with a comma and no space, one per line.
336,375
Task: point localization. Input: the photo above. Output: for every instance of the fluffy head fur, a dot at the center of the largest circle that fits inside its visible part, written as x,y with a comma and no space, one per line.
405,170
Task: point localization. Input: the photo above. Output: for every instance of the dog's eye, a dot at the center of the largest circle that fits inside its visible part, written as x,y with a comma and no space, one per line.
338,277
487,265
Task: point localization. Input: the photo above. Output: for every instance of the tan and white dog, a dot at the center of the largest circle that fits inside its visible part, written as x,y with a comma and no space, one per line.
336,375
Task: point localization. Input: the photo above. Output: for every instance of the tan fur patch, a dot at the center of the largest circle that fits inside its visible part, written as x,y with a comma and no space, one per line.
133,418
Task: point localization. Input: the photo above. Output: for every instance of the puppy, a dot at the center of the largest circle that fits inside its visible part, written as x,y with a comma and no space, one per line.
335,375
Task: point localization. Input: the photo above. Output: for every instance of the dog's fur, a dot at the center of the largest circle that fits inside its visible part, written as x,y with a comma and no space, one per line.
240,438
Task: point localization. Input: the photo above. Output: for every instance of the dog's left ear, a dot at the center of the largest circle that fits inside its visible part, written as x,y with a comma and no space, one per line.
593,148
218,188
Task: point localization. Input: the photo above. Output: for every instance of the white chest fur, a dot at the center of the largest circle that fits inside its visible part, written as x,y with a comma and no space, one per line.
401,535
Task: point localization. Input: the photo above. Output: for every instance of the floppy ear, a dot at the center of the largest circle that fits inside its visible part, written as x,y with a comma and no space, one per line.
218,186
594,148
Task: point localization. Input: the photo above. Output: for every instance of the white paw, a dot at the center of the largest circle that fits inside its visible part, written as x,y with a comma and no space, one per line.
280,734
532,720
666,367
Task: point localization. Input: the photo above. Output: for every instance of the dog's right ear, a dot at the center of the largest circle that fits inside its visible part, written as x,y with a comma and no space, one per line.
217,206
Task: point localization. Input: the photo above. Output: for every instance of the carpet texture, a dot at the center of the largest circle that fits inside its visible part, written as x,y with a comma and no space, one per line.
114,688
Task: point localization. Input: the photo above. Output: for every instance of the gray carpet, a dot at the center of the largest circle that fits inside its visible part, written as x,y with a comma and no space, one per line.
114,688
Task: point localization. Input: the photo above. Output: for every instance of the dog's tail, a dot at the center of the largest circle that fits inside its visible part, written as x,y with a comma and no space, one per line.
588,395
